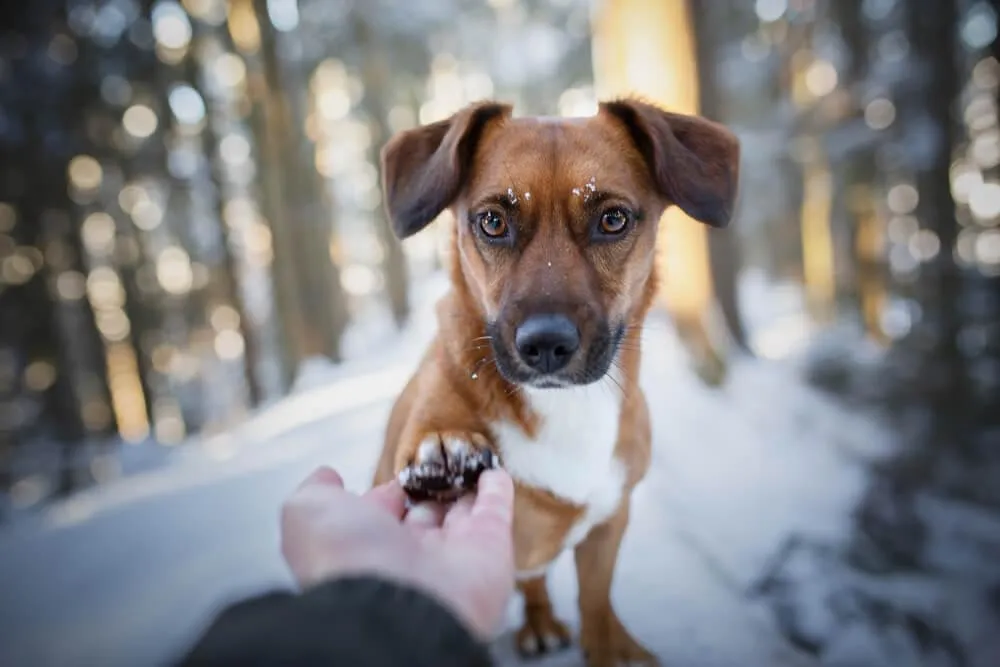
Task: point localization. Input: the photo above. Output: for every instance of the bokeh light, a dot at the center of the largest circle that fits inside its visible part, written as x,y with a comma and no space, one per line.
140,121
85,173
171,26
187,105
173,270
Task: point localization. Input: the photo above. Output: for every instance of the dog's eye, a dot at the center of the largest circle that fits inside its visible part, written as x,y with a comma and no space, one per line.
492,224
614,221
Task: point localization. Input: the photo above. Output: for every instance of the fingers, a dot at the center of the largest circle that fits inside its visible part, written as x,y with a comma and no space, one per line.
389,496
325,476
425,515
488,516
494,504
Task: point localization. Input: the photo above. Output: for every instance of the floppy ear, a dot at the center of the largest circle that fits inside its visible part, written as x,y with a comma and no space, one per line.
694,162
423,169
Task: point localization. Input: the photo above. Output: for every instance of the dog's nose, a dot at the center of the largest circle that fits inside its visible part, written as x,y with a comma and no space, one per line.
546,343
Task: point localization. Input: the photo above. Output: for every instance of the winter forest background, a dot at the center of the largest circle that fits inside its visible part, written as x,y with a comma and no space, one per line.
195,264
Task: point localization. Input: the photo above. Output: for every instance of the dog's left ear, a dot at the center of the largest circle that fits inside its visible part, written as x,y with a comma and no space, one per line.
423,169
694,162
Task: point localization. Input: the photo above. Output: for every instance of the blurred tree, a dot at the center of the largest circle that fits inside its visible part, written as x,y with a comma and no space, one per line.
858,230
812,155
53,372
180,164
122,132
254,211
927,107
211,175
892,129
284,274
307,294
376,76
306,207
723,245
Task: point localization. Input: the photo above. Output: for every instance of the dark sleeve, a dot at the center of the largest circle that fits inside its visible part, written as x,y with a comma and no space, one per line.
355,622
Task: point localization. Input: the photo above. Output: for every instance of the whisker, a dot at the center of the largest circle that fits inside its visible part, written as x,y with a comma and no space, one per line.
611,377
604,387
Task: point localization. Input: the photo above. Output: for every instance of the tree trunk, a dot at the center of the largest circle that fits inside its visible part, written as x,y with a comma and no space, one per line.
376,75
725,258
53,379
310,218
225,272
284,276
932,31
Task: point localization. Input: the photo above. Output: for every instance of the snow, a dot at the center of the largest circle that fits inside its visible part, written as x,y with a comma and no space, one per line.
127,573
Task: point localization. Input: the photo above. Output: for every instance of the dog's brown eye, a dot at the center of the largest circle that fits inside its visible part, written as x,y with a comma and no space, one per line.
492,224
614,221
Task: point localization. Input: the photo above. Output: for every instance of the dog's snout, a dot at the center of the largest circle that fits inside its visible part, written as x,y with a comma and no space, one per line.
546,343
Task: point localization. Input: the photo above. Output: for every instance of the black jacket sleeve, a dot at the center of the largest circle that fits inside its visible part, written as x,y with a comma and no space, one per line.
354,622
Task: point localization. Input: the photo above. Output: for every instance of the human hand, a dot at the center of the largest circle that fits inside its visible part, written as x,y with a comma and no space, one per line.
461,554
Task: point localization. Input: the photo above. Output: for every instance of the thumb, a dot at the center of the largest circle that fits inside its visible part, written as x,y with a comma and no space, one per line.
491,516
494,506
323,476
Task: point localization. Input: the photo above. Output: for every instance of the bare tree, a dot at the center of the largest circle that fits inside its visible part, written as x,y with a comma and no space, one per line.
376,76
724,252
306,210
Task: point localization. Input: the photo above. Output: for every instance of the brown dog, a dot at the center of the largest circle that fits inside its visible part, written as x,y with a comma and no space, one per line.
537,353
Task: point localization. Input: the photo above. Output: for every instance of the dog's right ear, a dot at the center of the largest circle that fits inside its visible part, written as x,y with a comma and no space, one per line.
423,169
694,162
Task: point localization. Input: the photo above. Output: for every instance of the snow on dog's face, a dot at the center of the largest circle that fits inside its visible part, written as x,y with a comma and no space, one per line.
556,220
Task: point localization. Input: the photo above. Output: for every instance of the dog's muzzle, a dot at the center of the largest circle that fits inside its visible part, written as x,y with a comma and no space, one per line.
547,343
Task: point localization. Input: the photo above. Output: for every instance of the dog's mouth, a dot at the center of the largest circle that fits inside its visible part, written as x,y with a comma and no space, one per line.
523,365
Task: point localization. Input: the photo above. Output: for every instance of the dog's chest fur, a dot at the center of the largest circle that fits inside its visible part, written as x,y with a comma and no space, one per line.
573,453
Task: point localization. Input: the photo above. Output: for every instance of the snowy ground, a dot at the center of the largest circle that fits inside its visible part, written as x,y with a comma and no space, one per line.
127,574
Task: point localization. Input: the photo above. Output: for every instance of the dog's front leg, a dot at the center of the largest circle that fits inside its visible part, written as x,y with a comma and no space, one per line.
542,632
603,638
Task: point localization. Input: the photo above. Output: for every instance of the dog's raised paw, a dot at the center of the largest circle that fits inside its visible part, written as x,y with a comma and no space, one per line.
446,466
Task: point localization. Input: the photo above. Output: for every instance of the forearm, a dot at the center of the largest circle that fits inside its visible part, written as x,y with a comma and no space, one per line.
359,621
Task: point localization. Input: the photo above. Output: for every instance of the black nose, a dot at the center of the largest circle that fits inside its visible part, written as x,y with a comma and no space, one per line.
546,343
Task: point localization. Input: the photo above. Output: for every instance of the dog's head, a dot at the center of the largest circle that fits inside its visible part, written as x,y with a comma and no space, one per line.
557,219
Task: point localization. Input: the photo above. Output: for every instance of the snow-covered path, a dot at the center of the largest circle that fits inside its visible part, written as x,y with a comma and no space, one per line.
126,575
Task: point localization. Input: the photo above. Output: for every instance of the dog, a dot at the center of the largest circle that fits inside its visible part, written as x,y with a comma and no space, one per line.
537,352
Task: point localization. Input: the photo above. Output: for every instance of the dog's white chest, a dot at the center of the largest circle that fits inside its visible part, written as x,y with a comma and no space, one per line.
573,455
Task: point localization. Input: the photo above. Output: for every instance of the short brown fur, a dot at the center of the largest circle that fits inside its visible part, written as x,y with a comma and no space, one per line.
631,153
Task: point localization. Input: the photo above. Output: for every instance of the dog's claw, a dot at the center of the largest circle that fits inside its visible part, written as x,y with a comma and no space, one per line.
446,467
542,635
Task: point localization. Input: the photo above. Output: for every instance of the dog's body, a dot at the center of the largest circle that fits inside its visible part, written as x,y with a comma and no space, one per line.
537,353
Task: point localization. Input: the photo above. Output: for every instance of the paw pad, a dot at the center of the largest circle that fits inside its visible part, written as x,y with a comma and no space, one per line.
446,468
